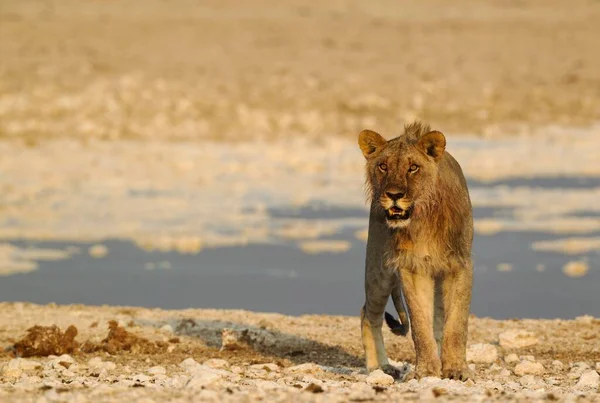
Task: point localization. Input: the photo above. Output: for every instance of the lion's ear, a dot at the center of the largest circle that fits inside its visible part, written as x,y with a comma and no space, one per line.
370,142
433,144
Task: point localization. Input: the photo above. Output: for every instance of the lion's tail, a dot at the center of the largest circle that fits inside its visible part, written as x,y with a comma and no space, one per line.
399,328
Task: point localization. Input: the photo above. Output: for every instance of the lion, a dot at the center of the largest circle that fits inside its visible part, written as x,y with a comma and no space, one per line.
418,251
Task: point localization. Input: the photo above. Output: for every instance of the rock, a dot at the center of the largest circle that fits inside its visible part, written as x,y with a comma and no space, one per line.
167,328
188,364
527,381
96,364
590,380
157,370
141,378
529,368
379,378
21,364
361,392
216,363
234,339
482,353
578,369
511,358
558,365
202,379
528,358
306,368
504,373
598,366
270,367
517,339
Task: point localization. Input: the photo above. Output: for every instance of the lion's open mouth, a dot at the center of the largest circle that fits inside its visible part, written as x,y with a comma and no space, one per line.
395,213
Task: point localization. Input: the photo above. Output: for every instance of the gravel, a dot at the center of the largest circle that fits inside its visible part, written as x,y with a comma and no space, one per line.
309,358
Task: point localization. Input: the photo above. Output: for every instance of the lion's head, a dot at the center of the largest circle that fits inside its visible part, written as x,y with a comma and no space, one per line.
402,173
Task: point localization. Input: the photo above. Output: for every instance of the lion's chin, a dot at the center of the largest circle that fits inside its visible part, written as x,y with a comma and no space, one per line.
397,217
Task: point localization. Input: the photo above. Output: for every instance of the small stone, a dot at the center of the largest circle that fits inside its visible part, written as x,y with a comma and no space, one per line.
505,373
482,353
167,328
141,378
157,370
361,392
379,378
232,340
189,364
528,358
472,367
527,381
97,364
517,339
216,363
558,365
511,359
201,379
529,368
306,368
265,367
590,380
21,364
314,388
598,366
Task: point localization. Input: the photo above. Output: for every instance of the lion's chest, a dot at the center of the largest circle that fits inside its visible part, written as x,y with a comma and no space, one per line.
424,257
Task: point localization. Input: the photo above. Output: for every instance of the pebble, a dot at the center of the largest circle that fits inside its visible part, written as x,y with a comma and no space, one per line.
157,370
590,380
527,381
379,378
201,379
511,358
558,365
270,367
529,368
97,364
21,364
482,353
216,363
517,339
188,364
306,368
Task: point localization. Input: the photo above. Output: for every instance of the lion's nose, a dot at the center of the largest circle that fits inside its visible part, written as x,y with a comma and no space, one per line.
394,195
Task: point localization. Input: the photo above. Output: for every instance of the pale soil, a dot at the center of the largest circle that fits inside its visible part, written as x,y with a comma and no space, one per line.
331,343
267,69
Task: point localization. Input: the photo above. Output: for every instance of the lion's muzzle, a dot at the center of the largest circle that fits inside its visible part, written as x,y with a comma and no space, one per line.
398,208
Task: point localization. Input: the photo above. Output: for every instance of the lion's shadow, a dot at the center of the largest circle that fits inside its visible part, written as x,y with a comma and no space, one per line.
267,342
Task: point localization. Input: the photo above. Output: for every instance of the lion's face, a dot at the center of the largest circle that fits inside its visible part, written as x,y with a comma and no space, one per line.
401,173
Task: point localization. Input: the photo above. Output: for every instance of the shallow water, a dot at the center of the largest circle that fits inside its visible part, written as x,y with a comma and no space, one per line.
279,277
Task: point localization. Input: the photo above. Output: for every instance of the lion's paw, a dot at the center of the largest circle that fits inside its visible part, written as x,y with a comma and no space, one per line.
461,374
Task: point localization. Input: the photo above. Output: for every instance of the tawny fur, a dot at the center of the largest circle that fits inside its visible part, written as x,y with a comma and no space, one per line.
420,237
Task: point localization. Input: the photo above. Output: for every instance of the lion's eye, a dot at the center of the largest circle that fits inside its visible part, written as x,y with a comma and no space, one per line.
382,167
413,168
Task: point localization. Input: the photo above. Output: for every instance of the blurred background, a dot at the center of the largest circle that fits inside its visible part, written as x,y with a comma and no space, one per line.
203,154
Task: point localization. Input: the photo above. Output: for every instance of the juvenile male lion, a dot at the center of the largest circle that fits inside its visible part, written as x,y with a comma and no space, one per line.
419,247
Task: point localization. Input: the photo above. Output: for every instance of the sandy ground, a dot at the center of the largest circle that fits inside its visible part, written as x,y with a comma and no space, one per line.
216,355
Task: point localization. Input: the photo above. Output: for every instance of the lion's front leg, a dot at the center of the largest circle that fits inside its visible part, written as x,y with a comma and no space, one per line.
457,298
418,291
